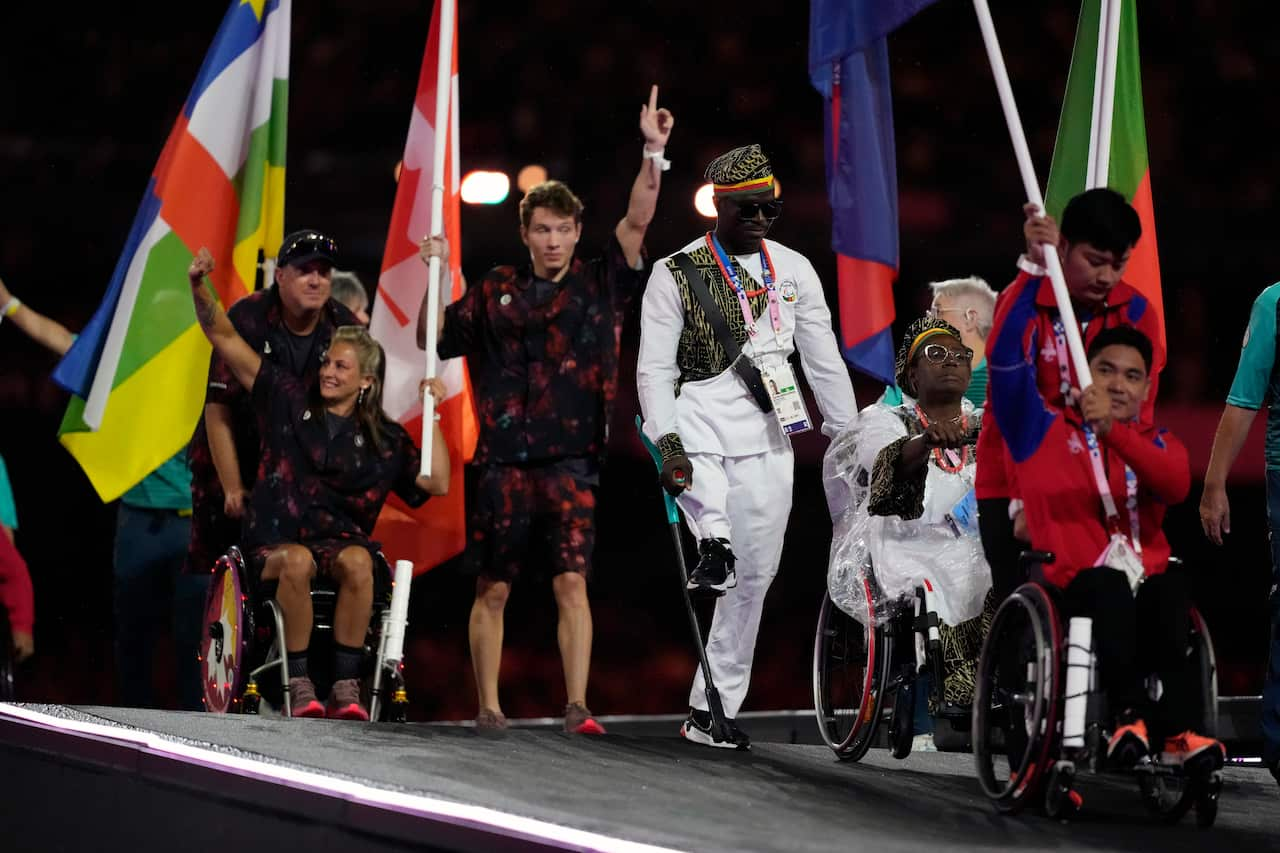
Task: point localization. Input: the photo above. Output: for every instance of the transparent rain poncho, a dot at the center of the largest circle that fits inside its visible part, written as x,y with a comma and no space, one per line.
940,547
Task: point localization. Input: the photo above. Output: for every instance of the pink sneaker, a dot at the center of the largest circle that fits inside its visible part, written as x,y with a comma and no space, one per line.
578,720
302,698
344,701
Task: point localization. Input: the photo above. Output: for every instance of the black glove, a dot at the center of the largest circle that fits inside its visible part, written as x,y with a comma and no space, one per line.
677,470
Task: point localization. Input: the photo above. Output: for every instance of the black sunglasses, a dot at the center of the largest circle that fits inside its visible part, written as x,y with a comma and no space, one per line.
750,209
309,242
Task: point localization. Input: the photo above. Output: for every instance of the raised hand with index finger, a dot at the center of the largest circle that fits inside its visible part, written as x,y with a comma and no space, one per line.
655,122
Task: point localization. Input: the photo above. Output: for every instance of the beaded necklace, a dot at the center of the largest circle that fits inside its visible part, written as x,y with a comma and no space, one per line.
948,460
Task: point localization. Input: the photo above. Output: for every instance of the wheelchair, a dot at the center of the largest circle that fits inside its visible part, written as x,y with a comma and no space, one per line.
243,658
1020,702
868,674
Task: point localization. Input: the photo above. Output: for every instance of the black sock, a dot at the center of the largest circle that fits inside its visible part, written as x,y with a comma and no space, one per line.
297,664
346,661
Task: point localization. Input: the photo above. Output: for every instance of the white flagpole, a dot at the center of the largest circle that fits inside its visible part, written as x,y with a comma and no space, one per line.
1104,89
440,127
1032,188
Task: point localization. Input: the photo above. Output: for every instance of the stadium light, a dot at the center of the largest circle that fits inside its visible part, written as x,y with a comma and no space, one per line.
480,187
703,203
530,176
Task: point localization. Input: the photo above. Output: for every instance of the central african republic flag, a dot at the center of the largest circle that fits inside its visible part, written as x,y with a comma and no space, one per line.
138,370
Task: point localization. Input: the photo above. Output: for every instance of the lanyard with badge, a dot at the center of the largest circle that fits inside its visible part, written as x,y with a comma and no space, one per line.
1119,553
779,379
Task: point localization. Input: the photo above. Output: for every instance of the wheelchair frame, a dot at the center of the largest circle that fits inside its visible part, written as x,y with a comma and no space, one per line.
841,641
1046,773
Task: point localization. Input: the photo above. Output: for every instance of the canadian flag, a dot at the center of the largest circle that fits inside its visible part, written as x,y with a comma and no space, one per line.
436,531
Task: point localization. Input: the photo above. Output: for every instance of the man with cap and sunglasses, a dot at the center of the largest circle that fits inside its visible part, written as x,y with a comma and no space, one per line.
707,380
290,324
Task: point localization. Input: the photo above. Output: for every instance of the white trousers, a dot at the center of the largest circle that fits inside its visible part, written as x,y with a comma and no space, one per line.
747,500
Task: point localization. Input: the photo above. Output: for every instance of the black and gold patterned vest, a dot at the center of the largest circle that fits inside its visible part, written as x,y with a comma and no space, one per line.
699,355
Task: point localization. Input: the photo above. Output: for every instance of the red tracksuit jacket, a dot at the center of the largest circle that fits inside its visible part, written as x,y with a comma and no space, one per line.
1050,458
1034,325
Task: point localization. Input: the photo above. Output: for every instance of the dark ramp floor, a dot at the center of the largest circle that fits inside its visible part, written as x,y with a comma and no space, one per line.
663,791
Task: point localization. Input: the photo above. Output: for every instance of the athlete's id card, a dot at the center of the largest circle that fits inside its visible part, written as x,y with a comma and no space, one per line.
963,517
788,404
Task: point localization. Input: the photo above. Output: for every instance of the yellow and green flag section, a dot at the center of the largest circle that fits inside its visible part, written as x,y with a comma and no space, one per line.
138,371
1127,172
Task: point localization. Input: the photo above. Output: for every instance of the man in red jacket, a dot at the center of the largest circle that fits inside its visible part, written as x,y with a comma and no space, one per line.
1095,481
1099,230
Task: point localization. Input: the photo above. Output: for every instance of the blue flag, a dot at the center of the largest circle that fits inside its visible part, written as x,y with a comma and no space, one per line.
849,65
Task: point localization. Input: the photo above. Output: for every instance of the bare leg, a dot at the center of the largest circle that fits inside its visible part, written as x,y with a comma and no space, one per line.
485,634
353,572
574,633
293,567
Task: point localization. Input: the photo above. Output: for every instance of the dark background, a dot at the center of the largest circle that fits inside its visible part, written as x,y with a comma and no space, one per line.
89,97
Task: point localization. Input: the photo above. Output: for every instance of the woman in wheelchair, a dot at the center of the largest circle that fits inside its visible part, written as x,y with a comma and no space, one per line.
900,485
328,461
1107,558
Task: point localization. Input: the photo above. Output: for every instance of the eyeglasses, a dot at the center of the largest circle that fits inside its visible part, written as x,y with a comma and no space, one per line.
940,354
750,209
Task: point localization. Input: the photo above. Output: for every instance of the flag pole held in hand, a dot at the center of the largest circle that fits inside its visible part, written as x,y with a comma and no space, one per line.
444,85
1032,187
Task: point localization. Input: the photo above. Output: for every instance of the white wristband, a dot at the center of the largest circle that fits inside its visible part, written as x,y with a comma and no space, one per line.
11,307
663,163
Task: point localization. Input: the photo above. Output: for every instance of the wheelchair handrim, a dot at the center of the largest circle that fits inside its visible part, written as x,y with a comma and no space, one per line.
854,743
1011,795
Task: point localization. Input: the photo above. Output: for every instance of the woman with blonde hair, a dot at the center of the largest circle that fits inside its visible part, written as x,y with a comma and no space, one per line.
329,458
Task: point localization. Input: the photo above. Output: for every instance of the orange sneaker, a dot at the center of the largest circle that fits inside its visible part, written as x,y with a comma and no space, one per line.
1129,744
1194,753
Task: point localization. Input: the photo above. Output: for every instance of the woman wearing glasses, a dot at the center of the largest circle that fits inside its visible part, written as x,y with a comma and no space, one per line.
900,481
727,437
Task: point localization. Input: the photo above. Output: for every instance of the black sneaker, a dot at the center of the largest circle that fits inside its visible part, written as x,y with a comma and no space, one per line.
714,573
697,728
737,735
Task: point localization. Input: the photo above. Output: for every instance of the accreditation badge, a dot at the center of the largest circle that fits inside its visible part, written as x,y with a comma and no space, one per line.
788,403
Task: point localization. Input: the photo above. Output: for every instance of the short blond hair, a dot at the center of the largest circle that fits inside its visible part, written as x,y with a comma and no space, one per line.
974,289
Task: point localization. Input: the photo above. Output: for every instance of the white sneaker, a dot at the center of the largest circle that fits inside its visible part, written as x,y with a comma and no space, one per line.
923,743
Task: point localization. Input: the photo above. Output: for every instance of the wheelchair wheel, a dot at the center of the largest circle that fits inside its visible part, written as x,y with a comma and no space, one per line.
1169,796
850,671
1016,705
228,625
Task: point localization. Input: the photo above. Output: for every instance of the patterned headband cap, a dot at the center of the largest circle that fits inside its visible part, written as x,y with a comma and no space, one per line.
917,332
742,171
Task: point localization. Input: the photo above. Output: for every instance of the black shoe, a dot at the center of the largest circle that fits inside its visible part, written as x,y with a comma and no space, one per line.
714,573
697,728
740,738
